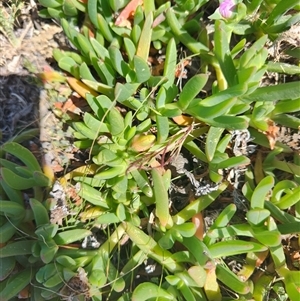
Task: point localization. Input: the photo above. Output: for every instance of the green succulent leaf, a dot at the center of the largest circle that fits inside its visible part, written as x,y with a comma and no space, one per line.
197,248
142,181
104,28
191,89
69,236
108,218
234,247
94,124
148,290
231,280
92,12
170,63
235,91
222,51
66,261
117,61
170,110
67,63
84,44
161,197
280,215
270,239
41,179
112,172
116,122
225,216
6,267
12,166
51,3
221,221
121,212
15,181
45,272
40,212
261,191
162,123
246,75
123,92
291,281
130,48
17,248
148,245
11,209
279,10
278,92
95,104
143,46
22,154
69,8
45,232
48,251
212,140
141,69
252,51
99,87
282,187
100,50
257,216
92,195
231,122
54,281
83,131
234,162
198,274
17,282
186,229
105,156
198,205
181,34
8,230
211,113
223,144
286,106
287,120
85,72
289,199
283,68
97,278
168,239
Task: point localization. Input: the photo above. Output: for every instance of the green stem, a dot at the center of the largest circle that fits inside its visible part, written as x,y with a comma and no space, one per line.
197,206
113,240
182,35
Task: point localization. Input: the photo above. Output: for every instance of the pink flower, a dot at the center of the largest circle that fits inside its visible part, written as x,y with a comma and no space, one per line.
226,8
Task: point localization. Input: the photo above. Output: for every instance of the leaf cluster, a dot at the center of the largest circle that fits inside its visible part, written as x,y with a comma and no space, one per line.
137,122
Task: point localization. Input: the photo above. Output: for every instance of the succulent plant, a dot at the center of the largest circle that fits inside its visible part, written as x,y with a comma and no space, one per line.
137,121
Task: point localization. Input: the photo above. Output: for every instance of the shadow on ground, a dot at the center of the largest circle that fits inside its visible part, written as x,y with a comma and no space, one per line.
19,105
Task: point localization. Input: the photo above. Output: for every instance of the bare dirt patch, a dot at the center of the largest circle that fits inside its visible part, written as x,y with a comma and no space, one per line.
27,42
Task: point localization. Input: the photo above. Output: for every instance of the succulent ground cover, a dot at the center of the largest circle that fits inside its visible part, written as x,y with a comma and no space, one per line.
182,182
